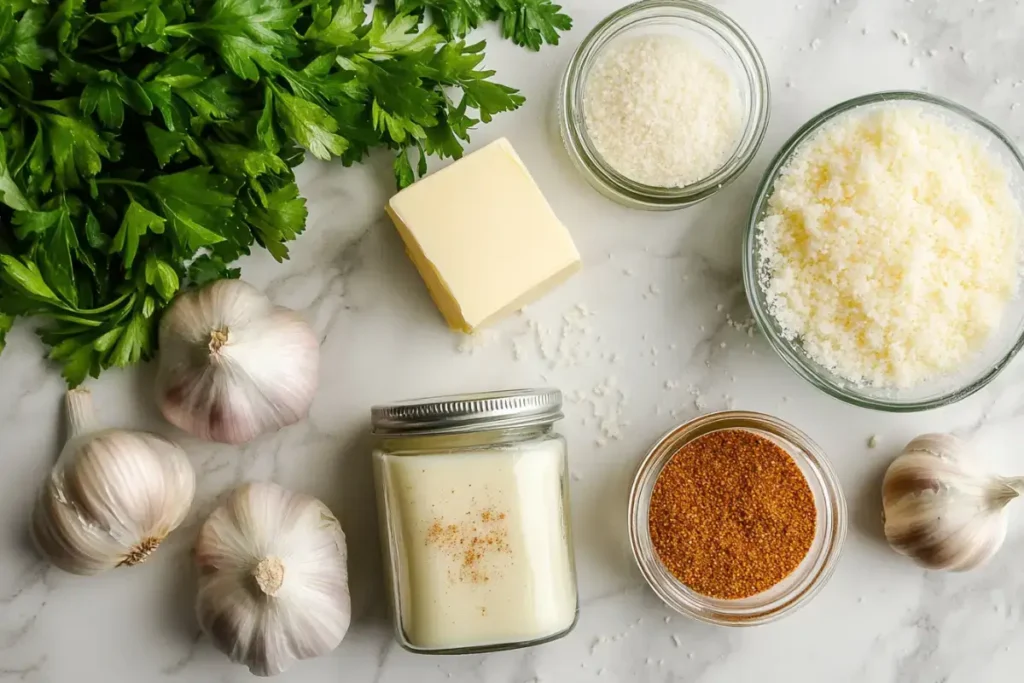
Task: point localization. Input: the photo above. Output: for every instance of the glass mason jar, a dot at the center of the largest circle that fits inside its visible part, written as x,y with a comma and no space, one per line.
473,500
714,33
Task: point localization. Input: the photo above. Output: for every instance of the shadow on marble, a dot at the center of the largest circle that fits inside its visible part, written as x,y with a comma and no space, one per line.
353,500
865,504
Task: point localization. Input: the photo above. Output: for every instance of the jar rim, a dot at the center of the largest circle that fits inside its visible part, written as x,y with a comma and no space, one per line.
471,412
609,181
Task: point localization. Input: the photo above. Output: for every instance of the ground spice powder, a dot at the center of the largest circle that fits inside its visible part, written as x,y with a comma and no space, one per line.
470,543
731,514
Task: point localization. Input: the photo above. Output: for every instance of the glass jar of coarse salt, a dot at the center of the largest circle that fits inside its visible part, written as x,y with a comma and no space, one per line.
664,103
473,499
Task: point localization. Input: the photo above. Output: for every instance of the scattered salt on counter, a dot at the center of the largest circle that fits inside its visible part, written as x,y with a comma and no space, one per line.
479,339
660,111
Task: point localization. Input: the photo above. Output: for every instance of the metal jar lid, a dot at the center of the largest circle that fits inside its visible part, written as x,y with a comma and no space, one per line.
468,412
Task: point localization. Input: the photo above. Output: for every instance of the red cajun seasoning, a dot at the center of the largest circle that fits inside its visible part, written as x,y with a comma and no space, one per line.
731,514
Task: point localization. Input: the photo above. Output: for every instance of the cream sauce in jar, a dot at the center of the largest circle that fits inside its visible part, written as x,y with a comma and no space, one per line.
476,535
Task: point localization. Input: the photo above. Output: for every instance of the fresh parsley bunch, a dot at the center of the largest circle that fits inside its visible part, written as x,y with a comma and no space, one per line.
149,143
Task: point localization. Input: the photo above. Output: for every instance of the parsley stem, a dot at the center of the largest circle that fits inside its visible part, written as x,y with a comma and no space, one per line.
118,181
16,93
100,50
181,29
124,185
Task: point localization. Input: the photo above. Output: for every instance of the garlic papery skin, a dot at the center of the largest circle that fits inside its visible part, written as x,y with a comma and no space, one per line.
273,578
113,496
232,365
940,509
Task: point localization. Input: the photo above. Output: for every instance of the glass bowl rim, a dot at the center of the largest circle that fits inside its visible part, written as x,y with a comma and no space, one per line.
786,349
806,448
632,193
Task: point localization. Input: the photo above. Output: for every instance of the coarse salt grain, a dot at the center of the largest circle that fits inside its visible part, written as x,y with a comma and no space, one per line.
890,246
661,112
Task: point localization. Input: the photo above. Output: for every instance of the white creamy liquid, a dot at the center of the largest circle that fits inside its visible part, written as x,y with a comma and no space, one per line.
479,545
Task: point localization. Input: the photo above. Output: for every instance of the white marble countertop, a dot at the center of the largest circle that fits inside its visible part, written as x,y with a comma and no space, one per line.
879,619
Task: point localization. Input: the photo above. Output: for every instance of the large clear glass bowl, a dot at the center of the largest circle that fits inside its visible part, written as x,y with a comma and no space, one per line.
793,591
718,36
984,365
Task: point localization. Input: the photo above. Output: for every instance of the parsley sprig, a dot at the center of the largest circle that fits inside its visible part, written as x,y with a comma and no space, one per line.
145,145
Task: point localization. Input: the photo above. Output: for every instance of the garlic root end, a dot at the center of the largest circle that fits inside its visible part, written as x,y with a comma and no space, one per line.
140,552
269,575
218,338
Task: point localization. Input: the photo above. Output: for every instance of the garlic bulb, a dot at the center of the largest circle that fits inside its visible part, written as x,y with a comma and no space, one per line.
940,510
112,497
233,365
273,579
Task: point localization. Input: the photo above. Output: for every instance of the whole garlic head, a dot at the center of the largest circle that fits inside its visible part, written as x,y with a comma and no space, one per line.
273,578
232,365
940,509
113,496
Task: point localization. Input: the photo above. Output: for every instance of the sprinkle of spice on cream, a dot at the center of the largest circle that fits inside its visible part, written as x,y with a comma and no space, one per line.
470,543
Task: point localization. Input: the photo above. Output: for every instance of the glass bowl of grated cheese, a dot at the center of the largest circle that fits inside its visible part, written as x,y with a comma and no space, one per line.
882,258
664,103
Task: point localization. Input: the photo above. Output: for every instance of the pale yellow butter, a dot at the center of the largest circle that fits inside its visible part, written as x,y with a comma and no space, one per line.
483,237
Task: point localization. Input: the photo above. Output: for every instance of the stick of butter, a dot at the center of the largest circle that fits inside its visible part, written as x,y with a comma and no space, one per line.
482,236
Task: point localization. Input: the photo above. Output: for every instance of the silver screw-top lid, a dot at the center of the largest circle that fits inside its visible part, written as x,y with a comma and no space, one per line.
468,412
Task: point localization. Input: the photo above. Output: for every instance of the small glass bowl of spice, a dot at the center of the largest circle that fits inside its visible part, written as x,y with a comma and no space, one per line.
736,518
664,103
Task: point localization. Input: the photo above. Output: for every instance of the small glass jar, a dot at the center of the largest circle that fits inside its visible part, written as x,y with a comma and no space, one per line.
473,499
716,34
793,591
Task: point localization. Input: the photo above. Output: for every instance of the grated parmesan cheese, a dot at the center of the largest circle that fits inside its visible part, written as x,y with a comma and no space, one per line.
890,246
661,112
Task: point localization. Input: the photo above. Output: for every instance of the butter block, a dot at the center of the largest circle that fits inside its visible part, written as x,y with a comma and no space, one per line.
482,236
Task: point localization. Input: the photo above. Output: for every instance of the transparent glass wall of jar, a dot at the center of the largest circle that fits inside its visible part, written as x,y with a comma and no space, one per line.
474,518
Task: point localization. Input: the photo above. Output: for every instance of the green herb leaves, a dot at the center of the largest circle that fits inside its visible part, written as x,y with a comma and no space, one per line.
137,221
148,144
529,23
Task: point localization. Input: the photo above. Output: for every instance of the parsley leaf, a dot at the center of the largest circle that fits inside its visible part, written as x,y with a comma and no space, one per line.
528,23
76,148
310,125
137,221
208,268
197,203
6,322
